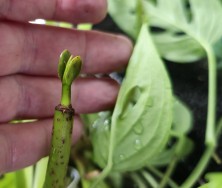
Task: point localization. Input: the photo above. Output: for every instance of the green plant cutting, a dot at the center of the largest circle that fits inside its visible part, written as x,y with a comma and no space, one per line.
145,136
68,69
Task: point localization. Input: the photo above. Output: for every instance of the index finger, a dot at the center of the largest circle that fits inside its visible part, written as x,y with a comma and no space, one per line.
35,49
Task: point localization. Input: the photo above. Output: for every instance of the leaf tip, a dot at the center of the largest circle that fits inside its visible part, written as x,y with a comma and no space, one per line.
64,57
73,69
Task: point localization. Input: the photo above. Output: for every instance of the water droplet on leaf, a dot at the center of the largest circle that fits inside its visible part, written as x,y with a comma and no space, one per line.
121,157
94,125
138,128
137,144
107,122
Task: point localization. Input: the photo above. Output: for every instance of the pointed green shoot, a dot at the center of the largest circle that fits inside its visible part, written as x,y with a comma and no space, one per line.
72,69
64,57
68,70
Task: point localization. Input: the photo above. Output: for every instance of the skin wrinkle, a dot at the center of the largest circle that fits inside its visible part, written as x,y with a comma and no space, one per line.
13,155
56,7
46,131
102,13
3,158
84,42
25,51
53,7
12,82
4,8
8,146
11,152
8,96
13,43
107,95
88,9
14,152
21,43
20,95
9,9
30,47
32,13
25,101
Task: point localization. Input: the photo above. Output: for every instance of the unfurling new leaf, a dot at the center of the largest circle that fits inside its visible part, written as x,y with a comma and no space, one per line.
64,57
72,69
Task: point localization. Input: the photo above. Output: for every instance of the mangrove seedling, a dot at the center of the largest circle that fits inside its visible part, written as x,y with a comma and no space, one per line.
68,69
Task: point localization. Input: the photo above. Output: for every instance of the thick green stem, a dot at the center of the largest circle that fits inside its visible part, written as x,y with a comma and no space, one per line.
149,178
210,132
210,138
66,95
60,147
102,176
168,172
219,129
202,164
159,174
139,183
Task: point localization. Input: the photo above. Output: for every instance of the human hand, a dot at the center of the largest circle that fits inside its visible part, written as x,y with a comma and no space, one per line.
29,87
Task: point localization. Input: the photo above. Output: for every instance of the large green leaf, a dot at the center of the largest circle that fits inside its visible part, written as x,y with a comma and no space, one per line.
185,31
142,116
202,25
